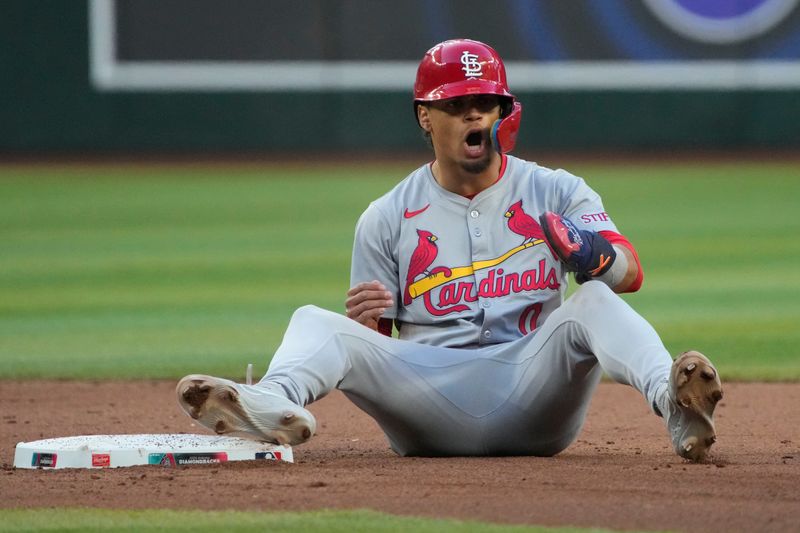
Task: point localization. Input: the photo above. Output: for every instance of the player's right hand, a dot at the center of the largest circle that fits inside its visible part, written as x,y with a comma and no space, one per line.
587,253
366,303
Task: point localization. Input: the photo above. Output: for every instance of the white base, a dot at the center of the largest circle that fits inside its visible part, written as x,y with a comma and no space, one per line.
110,451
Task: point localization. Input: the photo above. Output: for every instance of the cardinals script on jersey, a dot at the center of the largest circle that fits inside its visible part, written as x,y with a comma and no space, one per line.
477,266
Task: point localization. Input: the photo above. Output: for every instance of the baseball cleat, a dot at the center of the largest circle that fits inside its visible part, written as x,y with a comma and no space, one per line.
694,390
249,411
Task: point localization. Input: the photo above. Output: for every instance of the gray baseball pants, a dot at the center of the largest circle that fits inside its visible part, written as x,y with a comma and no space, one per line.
526,397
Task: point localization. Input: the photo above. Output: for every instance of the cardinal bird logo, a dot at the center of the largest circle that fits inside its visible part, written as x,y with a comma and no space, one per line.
424,255
523,224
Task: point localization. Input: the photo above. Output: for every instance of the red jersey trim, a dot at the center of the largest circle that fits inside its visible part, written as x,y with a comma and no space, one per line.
502,167
615,238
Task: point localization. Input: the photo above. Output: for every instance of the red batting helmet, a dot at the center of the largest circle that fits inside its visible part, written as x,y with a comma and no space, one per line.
463,67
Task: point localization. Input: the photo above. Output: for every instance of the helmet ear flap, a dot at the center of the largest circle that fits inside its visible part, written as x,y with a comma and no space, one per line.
504,130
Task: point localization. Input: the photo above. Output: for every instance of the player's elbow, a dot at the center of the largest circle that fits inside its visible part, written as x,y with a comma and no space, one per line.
634,276
634,285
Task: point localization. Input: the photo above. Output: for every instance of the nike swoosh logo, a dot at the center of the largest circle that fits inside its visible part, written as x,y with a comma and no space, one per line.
412,214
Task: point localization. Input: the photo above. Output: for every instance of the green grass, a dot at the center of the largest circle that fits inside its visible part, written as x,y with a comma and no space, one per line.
159,272
20,520
151,273
721,261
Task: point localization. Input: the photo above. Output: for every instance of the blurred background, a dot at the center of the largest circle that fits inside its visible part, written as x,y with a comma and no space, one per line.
327,76
177,176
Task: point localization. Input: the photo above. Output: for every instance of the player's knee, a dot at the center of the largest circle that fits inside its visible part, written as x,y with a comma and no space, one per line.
595,288
594,293
313,320
309,318
305,312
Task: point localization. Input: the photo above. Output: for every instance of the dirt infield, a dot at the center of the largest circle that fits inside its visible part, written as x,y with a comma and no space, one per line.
620,473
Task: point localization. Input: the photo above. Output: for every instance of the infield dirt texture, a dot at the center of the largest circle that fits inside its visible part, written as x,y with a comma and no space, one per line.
620,473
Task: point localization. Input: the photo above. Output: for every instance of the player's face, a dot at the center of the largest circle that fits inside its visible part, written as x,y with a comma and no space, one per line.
460,130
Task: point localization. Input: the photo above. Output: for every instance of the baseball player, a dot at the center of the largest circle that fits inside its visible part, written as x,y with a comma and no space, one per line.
468,258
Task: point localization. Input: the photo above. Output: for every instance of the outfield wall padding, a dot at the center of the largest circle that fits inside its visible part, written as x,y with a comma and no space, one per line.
49,104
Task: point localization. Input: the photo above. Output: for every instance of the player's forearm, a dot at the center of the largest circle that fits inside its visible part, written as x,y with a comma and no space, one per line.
631,270
629,278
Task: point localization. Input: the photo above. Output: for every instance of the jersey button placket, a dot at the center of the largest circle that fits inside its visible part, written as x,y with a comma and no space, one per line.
476,231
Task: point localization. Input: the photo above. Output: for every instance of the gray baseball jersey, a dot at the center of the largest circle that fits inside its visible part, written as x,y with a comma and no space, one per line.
500,363
471,272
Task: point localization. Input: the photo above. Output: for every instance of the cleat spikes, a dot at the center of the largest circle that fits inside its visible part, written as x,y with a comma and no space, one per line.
694,389
196,395
229,396
248,411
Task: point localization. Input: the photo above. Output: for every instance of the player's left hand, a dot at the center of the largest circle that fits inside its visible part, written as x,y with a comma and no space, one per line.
587,253
366,302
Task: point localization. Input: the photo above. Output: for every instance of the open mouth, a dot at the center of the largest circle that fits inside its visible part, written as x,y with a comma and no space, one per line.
474,139
475,143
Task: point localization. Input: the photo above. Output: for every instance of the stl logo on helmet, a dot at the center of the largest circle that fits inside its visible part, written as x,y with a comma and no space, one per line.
472,68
